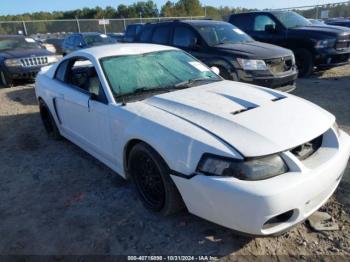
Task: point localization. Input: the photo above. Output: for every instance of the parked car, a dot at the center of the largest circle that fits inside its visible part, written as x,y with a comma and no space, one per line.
314,46
223,45
78,41
339,22
57,43
21,58
246,157
131,32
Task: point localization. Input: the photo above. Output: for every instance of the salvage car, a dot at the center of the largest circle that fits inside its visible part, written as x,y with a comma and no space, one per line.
238,56
249,158
21,58
320,46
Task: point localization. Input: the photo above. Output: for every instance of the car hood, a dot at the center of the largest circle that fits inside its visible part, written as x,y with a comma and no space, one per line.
17,53
275,121
326,30
255,50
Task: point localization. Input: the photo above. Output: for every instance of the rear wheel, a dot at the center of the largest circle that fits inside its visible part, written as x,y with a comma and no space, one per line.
49,122
5,81
304,62
151,177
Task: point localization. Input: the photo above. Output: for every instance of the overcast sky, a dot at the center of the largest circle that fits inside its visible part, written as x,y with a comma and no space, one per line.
21,6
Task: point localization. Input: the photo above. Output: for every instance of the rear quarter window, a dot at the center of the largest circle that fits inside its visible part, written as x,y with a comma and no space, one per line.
145,35
161,35
244,22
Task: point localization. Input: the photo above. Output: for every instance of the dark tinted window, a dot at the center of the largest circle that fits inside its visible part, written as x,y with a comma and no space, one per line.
222,33
161,35
261,21
77,40
146,34
183,36
61,71
244,22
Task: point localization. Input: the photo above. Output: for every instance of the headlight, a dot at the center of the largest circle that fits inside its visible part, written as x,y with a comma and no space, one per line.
12,62
253,169
336,128
53,59
250,64
325,43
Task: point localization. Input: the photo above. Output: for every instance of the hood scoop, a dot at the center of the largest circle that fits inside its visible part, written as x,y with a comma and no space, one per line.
278,98
242,110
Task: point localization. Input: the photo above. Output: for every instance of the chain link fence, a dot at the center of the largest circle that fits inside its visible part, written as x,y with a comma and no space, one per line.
323,11
76,25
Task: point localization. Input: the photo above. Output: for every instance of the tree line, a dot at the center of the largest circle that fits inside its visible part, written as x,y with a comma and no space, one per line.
142,9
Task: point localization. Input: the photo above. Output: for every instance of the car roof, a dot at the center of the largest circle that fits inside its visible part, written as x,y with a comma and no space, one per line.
122,49
191,22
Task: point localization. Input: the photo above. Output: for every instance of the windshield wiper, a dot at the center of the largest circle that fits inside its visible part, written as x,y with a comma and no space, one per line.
190,82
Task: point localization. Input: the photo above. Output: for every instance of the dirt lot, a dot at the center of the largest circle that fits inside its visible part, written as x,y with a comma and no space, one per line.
57,199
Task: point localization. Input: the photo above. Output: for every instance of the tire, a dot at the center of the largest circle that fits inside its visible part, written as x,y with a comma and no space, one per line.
304,62
49,122
150,175
226,74
5,81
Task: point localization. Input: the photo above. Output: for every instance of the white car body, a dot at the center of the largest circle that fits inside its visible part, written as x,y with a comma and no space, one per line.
183,125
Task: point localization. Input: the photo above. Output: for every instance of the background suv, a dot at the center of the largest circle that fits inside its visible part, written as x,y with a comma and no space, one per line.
84,40
220,44
21,58
321,46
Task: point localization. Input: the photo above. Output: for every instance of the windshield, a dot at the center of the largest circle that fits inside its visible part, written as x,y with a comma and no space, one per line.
10,43
157,71
292,19
222,33
101,39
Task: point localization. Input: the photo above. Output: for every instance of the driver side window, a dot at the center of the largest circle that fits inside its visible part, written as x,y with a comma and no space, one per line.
263,21
79,73
183,37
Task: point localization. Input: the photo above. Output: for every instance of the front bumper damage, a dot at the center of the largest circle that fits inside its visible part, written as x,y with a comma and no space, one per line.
273,205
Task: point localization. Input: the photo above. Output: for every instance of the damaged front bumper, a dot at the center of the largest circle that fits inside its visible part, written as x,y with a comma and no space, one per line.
273,205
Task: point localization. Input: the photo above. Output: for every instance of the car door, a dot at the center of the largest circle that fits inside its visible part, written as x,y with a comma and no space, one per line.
82,107
266,28
186,38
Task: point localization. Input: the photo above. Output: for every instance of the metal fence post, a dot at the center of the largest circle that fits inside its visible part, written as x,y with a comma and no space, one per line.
124,24
24,28
104,25
78,25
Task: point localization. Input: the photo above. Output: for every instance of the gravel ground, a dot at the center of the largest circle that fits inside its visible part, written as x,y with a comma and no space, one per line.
57,199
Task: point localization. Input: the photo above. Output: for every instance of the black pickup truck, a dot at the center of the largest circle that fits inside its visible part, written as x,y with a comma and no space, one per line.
220,44
21,58
314,46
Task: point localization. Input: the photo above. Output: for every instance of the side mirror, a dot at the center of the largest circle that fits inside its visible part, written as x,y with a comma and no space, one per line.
270,28
215,70
93,96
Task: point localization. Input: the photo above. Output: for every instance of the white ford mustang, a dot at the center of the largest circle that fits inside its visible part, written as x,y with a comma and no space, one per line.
246,157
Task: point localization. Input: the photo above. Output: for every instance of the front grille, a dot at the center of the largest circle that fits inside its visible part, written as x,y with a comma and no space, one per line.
343,42
306,150
280,65
34,61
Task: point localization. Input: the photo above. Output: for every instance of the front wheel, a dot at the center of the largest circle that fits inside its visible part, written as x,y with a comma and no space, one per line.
5,81
304,62
153,183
